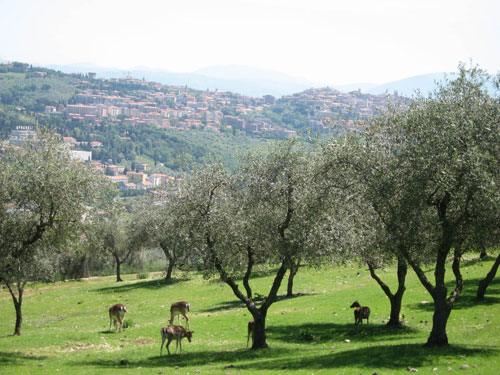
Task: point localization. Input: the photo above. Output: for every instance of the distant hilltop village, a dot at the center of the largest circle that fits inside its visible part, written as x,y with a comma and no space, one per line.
86,109
169,107
178,107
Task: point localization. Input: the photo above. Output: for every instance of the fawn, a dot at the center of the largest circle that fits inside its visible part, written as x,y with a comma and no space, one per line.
174,332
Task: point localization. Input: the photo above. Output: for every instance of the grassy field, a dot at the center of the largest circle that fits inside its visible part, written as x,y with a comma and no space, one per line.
65,328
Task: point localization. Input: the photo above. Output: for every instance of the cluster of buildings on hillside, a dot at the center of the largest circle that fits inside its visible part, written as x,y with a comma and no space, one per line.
171,107
138,179
126,180
182,108
327,106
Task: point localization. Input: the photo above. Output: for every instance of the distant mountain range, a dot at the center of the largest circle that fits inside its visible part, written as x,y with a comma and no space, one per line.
238,79
253,82
406,87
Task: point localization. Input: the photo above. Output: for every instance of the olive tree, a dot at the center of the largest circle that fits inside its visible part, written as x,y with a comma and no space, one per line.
159,226
44,197
443,175
111,233
379,230
261,215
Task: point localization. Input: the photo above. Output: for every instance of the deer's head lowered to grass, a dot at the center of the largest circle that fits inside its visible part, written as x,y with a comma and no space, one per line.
180,308
170,333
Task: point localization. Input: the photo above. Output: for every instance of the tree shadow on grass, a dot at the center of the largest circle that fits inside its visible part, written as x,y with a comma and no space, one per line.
467,298
256,274
13,358
237,304
374,358
190,358
474,261
149,284
328,332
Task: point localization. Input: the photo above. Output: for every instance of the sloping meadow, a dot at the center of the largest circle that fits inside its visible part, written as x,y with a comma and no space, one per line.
66,327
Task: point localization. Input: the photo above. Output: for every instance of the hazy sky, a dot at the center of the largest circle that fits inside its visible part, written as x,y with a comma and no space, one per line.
333,42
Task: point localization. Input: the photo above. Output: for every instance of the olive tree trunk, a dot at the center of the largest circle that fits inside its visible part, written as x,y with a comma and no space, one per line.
442,304
484,283
294,268
18,302
118,266
396,298
170,268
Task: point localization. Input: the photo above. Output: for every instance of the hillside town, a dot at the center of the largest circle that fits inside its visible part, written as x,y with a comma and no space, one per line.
139,103
137,179
177,107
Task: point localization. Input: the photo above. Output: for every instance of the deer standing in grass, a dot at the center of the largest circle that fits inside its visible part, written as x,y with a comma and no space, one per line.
179,308
251,331
174,332
116,314
360,313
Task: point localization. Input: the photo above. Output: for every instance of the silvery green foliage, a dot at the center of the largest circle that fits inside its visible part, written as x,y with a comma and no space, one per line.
273,211
445,152
204,213
277,205
114,232
158,224
45,197
436,180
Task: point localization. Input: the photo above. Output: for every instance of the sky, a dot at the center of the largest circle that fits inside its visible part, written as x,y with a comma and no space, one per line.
328,42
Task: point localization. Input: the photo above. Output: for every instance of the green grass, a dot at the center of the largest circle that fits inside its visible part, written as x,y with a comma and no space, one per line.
65,328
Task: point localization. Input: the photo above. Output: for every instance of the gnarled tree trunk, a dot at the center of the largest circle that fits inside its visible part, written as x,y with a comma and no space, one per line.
170,268
442,310
259,335
118,265
483,284
294,268
18,302
442,304
396,298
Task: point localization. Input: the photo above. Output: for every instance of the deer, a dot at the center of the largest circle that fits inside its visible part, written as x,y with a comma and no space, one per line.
179,308
251,331
360,313
116,314
174,332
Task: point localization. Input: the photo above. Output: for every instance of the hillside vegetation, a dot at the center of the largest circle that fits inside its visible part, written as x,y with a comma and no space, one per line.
66,328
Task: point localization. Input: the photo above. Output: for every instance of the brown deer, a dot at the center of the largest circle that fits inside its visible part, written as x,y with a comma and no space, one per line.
177,333
360,313
251,331
179,308
116,314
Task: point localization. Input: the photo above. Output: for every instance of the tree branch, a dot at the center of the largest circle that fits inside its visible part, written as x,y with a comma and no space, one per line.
384,286
458,277
271,297
250,264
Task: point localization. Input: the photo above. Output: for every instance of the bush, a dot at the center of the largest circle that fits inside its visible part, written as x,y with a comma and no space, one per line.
143,275
127,323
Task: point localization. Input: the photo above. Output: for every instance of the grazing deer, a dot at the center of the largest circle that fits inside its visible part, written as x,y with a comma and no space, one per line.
251,331
116,314
177,333
179,308
360,313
